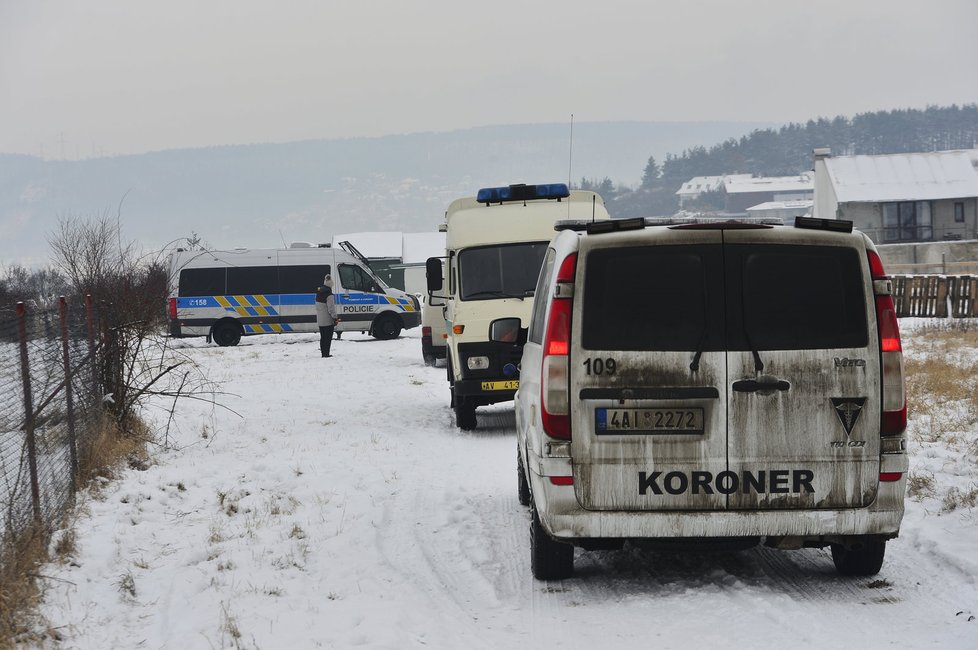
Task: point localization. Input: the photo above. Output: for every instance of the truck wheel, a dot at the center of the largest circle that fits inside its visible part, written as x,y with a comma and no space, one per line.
549,559
387,327
522,486
465,414
227,334
866,560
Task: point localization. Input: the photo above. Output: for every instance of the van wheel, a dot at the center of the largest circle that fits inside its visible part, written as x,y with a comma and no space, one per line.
549,559
387,327
227,334
465,414
429,360
522,486
866,560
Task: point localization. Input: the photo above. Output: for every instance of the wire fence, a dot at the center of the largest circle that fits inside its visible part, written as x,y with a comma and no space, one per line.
50,409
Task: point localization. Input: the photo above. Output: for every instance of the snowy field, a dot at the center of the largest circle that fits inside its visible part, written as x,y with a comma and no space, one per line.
335,505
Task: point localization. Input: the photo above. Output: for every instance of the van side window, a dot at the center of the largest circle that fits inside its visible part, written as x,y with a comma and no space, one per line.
252,280
540,301
354,278
301,279
202,282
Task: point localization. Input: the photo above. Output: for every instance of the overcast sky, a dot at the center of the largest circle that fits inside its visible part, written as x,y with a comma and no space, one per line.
101,77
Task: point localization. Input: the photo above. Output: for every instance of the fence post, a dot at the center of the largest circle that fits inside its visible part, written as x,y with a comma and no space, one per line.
90,319
73,445
25,372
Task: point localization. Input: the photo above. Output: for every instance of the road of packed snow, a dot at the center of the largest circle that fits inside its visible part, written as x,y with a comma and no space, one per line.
333,504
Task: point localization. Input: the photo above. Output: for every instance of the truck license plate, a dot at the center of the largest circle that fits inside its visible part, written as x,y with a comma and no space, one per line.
501,385
650,421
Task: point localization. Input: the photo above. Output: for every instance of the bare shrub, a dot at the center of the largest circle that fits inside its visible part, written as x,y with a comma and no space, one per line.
920,485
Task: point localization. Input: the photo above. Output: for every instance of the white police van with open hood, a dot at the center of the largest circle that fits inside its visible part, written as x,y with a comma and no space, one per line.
712,381
230,293
495,243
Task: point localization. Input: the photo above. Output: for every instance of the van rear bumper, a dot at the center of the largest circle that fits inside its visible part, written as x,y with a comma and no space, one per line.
563,517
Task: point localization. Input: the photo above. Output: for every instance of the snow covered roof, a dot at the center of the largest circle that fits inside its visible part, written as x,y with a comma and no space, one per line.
700,184
802,204
374,244
800,183
419,246
903,177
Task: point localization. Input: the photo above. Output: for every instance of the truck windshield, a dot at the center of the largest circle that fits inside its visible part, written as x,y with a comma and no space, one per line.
501,271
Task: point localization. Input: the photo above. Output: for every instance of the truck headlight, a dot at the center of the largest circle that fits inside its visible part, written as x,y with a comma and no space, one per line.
477,363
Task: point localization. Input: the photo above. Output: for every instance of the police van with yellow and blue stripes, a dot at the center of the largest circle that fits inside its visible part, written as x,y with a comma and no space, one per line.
227,294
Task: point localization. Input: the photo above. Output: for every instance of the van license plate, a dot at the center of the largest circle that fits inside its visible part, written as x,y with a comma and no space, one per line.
651,421
501,385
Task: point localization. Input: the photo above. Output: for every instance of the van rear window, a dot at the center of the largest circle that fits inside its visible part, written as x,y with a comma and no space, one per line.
733,297
796,297
654,298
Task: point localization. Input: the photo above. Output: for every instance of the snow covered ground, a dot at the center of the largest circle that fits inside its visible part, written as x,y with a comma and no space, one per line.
337,506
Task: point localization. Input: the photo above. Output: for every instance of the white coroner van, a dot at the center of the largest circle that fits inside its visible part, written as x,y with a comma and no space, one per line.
224,295
495,243
725,382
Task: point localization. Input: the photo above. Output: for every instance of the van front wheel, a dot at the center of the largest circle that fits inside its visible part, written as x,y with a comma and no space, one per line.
387,327
465,414
864,559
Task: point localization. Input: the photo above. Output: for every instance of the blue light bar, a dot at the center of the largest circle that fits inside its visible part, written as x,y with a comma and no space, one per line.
522,192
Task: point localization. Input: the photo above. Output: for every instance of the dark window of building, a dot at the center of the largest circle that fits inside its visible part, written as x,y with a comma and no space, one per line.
959,213
202,282
247,280
907,221
305,278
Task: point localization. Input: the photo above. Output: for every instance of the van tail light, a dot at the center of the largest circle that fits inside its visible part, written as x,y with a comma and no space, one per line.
555,386
172,308
894,412
426,331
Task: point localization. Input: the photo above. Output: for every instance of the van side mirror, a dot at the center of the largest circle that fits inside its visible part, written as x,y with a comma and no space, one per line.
432,271
505,330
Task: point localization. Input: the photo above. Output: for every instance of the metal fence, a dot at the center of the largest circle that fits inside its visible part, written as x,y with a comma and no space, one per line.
50,407
936,296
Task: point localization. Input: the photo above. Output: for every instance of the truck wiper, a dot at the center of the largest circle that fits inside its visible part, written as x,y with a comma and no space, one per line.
497,294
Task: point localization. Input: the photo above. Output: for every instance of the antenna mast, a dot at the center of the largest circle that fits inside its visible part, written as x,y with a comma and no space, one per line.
570,161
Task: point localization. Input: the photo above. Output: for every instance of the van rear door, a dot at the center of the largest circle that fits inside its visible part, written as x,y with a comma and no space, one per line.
648,371
803,388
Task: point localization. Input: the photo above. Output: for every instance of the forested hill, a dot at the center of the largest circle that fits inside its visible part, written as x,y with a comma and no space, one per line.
788,150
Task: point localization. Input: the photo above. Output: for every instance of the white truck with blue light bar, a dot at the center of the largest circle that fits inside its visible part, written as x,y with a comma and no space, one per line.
712,383
227,294
495,243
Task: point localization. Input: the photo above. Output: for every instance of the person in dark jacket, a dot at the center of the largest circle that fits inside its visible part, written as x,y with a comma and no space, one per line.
326,315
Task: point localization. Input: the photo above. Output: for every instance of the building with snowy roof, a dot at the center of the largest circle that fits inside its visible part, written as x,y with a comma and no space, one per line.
744,193
894,198
696,186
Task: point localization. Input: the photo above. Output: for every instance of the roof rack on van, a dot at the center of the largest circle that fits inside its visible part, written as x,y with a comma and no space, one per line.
834,225
637,223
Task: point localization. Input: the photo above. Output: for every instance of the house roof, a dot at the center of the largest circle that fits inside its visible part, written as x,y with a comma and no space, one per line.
374,244
903,177
801,204
802,183
699,184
